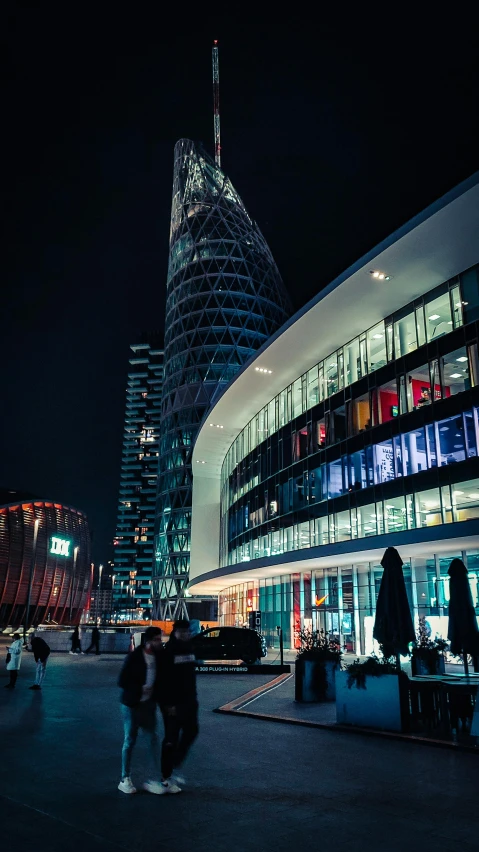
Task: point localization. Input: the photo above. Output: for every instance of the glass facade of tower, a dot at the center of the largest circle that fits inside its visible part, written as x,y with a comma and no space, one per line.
225,298
379,438
136,505
384,407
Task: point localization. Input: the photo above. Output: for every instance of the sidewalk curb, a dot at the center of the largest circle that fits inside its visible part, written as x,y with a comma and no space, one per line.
233,708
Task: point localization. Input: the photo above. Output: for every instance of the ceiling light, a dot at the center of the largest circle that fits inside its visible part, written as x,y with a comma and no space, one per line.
375,274
462,358
455,376
473,496
381,276
377,336
434,316
449,322
200,461
457,493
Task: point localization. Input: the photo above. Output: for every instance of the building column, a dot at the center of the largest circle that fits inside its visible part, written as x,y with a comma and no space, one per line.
411,443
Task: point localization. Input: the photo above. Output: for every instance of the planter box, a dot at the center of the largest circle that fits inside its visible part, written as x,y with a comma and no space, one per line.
315,681
377,706
420,666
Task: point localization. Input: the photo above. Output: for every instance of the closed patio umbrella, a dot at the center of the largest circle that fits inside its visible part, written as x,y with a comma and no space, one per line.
462,631
393,627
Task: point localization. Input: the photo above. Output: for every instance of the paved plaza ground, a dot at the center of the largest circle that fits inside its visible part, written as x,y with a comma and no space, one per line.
253,784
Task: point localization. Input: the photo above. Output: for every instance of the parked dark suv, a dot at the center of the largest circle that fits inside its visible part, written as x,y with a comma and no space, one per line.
229,643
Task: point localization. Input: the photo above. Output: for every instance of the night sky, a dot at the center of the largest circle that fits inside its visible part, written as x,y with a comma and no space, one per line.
335,131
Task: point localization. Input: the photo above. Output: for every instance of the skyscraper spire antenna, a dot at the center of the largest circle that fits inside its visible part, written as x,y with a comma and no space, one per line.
216,104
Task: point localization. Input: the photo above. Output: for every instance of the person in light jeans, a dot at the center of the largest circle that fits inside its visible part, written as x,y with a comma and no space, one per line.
41,652
138,680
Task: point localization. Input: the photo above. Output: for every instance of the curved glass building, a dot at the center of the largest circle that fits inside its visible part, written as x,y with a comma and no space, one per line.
225,298
44,561
355,428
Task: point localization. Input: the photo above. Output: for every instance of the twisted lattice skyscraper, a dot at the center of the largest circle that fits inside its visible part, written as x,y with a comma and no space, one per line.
225,298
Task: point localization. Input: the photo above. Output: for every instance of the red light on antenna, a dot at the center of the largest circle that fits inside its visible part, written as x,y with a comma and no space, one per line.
215,41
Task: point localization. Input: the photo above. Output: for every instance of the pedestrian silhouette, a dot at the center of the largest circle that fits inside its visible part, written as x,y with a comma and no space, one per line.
95,641
76,645
41,652
177,700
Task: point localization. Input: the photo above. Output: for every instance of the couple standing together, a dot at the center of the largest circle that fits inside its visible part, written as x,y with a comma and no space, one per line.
165,676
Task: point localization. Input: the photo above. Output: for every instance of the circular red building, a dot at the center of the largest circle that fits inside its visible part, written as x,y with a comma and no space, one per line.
44,560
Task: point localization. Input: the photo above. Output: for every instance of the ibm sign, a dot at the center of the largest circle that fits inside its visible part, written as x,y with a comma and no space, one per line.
60,546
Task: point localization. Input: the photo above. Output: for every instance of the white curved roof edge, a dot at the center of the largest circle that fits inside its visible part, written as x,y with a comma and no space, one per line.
431,248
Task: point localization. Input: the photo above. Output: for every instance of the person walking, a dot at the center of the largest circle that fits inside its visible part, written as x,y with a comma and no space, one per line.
14,659
41,652
76,644
95,641
138,680
178,701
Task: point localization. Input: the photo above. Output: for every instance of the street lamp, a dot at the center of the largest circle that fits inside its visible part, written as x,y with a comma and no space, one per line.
30,578
112,599
99,604
75,554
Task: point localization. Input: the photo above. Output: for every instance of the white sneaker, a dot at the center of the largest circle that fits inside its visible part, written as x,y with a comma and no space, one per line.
126,786
171,786
71,652
177,778
155,787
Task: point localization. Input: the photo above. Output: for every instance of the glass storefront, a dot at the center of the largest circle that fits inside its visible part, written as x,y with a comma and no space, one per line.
342,600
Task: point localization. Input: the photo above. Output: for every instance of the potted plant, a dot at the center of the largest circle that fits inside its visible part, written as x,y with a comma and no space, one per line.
428,654
318,659
369,694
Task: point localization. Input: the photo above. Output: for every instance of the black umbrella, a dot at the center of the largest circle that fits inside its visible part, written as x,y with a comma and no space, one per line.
393,627
462,630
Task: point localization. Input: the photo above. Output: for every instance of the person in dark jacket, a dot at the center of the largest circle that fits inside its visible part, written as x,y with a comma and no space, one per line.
138,680
95,641
76,644
41,652
178,701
